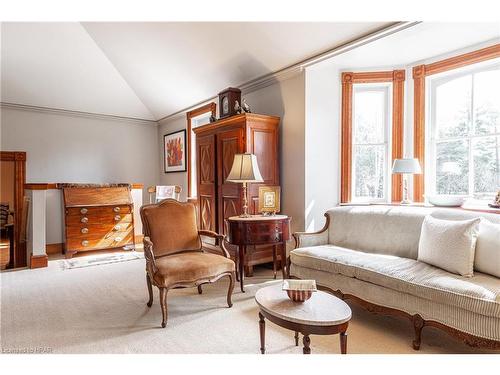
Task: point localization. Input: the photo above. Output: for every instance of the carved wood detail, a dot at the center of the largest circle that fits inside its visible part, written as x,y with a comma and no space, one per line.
418,322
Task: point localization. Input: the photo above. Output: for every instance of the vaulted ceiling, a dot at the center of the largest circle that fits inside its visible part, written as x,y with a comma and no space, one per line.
150,70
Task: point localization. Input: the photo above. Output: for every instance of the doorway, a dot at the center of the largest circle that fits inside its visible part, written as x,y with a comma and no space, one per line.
13,210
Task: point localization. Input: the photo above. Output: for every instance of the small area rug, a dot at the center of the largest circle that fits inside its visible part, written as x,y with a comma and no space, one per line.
98,260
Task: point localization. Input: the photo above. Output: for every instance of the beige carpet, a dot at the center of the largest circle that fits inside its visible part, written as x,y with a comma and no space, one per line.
102,309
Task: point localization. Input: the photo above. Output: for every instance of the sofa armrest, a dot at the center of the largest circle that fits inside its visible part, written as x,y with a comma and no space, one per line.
304,239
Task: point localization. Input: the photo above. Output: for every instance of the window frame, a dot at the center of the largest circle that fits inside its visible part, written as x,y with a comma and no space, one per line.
433,82
384,87
397,77
420,74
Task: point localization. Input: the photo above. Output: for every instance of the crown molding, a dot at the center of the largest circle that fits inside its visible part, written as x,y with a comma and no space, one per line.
66,112
297,68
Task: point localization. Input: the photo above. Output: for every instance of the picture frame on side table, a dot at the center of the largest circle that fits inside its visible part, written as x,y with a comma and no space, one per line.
174,151
269,200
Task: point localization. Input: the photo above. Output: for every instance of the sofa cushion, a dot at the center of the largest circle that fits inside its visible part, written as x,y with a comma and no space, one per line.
480,294
449,244
377,229
487,258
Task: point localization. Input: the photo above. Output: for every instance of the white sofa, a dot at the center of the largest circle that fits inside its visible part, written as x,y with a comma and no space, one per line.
368,254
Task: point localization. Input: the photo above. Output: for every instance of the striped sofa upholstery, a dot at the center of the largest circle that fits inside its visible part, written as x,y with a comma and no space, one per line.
371,252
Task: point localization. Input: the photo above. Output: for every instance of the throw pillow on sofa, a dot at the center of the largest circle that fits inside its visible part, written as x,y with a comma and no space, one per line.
449,244
487,257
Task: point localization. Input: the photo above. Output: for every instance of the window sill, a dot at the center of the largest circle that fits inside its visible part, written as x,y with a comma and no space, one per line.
470,205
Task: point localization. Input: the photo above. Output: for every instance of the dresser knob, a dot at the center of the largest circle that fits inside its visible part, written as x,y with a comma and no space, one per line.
116,209
117,217
83,211
84,230
85,243
84,220
117,227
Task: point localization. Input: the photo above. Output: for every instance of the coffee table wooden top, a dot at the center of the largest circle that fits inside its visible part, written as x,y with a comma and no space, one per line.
322,309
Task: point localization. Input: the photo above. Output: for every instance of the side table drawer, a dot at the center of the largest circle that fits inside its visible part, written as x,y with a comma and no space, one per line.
264,233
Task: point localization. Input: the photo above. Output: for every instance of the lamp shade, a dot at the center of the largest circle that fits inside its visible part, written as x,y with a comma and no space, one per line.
410,166
244,169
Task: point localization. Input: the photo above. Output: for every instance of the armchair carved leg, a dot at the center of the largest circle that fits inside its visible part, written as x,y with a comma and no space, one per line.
150,290
418,324
230,289
199,289
163,304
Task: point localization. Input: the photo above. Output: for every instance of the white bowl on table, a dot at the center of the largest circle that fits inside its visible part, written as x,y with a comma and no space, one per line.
447,200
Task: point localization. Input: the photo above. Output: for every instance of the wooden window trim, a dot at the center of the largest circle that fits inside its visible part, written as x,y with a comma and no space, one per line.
397,77
210,107
420,72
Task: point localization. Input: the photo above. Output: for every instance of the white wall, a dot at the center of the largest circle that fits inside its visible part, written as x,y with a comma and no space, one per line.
322,139
286,100
174,178
64,148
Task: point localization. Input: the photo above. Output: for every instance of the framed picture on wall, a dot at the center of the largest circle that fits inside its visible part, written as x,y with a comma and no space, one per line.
174,150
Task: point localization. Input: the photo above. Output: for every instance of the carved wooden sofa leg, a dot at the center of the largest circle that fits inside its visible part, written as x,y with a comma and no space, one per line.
230,289
163,304
199,289
150,291
418,325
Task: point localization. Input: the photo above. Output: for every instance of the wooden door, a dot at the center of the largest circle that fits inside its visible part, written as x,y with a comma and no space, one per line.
207,200
229,143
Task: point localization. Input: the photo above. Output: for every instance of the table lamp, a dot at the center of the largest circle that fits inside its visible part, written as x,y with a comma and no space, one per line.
406,167
244,169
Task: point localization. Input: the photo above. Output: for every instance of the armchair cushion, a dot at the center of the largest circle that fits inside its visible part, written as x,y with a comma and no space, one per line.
171,225
190,267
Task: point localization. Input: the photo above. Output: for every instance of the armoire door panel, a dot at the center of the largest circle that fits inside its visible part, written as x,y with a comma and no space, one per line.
206,182
229,143
263,143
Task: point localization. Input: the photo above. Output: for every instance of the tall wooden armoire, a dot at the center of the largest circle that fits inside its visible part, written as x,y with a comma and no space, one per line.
216,145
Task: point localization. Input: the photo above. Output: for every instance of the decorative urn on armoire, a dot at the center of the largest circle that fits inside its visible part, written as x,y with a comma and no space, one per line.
216,145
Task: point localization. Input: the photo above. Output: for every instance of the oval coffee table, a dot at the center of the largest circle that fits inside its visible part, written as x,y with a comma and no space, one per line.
322,314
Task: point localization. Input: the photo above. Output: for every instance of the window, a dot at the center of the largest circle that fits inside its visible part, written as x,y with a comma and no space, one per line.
371,123
372,135
471,143
465,132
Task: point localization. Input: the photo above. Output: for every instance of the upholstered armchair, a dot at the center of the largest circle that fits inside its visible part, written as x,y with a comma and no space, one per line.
174,254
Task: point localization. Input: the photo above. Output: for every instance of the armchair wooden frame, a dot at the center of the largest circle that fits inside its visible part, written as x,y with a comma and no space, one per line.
151,266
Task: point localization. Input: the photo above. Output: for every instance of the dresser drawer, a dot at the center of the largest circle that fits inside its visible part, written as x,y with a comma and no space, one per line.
94,231
116,240
98,211
92,219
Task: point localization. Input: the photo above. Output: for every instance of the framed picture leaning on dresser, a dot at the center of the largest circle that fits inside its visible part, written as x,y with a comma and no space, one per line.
174,151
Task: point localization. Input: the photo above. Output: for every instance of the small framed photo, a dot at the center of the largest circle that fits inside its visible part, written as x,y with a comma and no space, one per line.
269,199
174,149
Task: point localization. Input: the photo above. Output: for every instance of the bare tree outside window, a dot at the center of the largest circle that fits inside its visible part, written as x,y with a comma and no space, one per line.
467,134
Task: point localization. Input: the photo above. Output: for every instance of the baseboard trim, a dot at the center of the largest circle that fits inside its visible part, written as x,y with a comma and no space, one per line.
39,261
54,248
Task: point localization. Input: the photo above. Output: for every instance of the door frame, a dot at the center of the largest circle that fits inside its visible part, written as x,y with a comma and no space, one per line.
210,107
19,159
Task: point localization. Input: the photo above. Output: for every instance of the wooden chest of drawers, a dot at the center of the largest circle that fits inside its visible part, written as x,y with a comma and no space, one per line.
97,217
